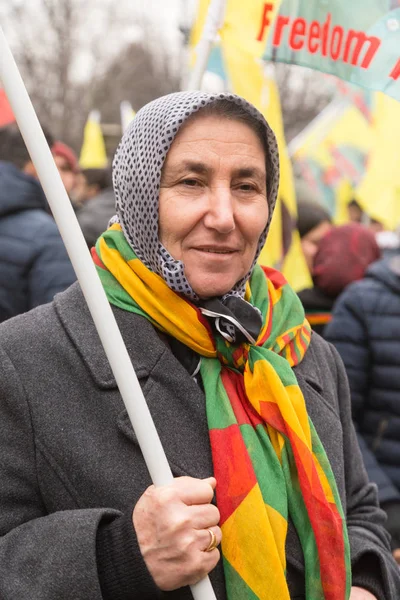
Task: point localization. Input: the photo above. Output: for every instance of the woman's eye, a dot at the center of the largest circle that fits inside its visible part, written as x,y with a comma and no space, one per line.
190,182
246,187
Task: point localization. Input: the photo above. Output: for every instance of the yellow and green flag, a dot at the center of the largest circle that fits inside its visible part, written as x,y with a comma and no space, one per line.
379,191
332,157
358,41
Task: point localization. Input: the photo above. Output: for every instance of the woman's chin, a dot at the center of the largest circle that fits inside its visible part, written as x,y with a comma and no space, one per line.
210,288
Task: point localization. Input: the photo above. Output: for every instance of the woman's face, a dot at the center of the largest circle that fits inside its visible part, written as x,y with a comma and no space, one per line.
213,202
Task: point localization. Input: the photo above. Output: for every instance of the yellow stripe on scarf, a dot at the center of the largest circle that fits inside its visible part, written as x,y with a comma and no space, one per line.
152,295
265,384
263,567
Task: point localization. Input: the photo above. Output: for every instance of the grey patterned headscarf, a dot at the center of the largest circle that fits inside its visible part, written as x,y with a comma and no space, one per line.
137,174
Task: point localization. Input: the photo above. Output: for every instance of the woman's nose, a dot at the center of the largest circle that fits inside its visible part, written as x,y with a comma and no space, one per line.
220,213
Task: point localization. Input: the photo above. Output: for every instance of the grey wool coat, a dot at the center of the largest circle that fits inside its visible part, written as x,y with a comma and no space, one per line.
71,468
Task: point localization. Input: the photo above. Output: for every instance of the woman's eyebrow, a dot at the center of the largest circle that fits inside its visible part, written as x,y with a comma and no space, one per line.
251,172
195,166
202,169
170,171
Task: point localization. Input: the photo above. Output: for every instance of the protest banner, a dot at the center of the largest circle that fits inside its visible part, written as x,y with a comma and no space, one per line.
358,41
333,156
379,191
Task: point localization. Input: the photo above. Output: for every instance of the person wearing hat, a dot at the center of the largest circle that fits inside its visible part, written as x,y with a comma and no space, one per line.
67,165
352,245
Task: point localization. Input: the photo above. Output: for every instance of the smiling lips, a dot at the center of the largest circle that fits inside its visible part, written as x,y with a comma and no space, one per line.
216,250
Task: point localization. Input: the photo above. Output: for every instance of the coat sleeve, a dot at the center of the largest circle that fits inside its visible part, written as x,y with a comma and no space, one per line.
388,493
42,555
51,270
372,563
348,333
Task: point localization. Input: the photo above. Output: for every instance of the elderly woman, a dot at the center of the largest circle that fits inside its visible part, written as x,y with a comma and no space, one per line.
237,387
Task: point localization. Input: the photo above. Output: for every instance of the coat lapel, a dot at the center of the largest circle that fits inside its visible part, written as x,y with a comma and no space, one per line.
175,401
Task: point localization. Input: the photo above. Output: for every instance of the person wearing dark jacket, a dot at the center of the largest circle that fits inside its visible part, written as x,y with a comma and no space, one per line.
366,331
95,214
96,199
34,264
313,222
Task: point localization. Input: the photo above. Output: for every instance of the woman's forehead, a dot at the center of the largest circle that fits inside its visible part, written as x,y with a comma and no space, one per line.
208,138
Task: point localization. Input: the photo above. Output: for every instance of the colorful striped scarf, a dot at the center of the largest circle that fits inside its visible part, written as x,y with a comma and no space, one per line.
268,459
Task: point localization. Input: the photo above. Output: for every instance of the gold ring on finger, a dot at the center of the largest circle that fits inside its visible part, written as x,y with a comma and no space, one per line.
213,541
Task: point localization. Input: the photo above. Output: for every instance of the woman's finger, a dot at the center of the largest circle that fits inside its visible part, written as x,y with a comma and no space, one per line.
209,539
203,516
194,491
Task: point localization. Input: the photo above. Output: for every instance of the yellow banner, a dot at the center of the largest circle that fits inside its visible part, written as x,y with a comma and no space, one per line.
379,192
246,24
333,156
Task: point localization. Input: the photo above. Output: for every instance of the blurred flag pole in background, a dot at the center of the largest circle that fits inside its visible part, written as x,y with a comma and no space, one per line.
93,151
127,114
213,23
91,286
319,125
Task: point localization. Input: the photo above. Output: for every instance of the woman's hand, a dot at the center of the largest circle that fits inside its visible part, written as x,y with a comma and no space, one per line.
171,524
358,593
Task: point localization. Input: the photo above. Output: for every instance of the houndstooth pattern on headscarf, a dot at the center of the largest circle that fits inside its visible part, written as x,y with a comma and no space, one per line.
137,169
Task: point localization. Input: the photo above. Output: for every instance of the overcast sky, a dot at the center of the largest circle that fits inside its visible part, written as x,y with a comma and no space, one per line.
168,16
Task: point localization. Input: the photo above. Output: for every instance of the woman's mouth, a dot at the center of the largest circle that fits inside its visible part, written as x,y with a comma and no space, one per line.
209,250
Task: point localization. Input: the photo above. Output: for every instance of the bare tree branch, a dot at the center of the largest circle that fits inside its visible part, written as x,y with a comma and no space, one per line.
74,59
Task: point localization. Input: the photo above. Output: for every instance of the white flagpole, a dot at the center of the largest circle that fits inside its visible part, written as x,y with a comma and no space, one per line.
126,113
95,116
92,288
214,22
322,122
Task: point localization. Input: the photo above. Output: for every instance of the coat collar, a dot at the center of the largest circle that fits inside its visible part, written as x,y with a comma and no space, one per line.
82,332
136,331
175,401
